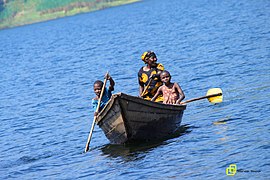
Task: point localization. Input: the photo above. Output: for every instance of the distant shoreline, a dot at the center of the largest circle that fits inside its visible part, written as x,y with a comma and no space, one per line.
31,16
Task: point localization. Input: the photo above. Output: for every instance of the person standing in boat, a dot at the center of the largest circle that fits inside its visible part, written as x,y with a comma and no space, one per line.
172,92
148,76
106,95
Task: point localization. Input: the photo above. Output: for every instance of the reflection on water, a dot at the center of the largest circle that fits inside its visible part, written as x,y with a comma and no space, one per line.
225,120
46,90
132,151
129,152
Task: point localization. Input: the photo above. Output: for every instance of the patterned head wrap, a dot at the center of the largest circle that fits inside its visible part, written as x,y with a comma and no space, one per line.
146,55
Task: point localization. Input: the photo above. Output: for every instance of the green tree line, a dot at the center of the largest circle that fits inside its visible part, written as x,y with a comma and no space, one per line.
20,12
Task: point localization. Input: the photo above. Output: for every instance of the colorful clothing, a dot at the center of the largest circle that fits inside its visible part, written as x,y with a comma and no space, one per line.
105,98
144,78
170,95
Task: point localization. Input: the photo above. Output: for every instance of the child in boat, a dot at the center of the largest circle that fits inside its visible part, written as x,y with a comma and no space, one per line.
172,92
106,94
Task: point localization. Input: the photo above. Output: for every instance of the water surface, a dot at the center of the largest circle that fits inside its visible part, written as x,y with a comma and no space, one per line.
47,71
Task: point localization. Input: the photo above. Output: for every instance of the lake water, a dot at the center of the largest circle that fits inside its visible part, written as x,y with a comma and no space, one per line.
48,69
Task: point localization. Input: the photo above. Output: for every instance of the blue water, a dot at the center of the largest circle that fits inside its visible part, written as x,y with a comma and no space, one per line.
48,69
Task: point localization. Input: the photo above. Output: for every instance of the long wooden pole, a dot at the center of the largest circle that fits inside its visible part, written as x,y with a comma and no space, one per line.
146,87
95,117
203,97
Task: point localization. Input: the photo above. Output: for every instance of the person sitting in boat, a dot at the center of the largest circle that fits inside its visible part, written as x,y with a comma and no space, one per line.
148,76
106,95
172,92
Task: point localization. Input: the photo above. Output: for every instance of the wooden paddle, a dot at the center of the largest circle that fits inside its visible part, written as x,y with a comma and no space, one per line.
213,95
146,87
95,117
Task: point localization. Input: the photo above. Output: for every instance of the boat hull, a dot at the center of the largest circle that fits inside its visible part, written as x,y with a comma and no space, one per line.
128,118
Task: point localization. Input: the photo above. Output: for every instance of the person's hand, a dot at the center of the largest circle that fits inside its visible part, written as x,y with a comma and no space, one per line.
107,76
179,102
182,103
153,76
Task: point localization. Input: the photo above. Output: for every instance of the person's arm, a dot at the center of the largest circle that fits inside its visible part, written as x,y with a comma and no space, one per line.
141,84
181,93
112,83
94,104
159,70
141,88
159,91
153,76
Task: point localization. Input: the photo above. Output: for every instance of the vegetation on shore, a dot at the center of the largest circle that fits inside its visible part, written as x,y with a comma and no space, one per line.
20,12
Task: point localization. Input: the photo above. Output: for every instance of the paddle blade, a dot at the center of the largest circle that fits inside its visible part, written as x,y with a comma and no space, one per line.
215,99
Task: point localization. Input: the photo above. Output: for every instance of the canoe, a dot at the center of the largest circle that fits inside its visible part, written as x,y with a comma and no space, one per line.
127,119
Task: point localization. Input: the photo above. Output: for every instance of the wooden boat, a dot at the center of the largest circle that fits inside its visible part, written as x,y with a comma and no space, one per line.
128,118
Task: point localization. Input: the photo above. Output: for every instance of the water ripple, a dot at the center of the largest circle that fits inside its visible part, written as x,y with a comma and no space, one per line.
48,70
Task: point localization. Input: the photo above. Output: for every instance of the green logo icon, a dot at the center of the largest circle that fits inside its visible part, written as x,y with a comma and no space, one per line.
231,170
